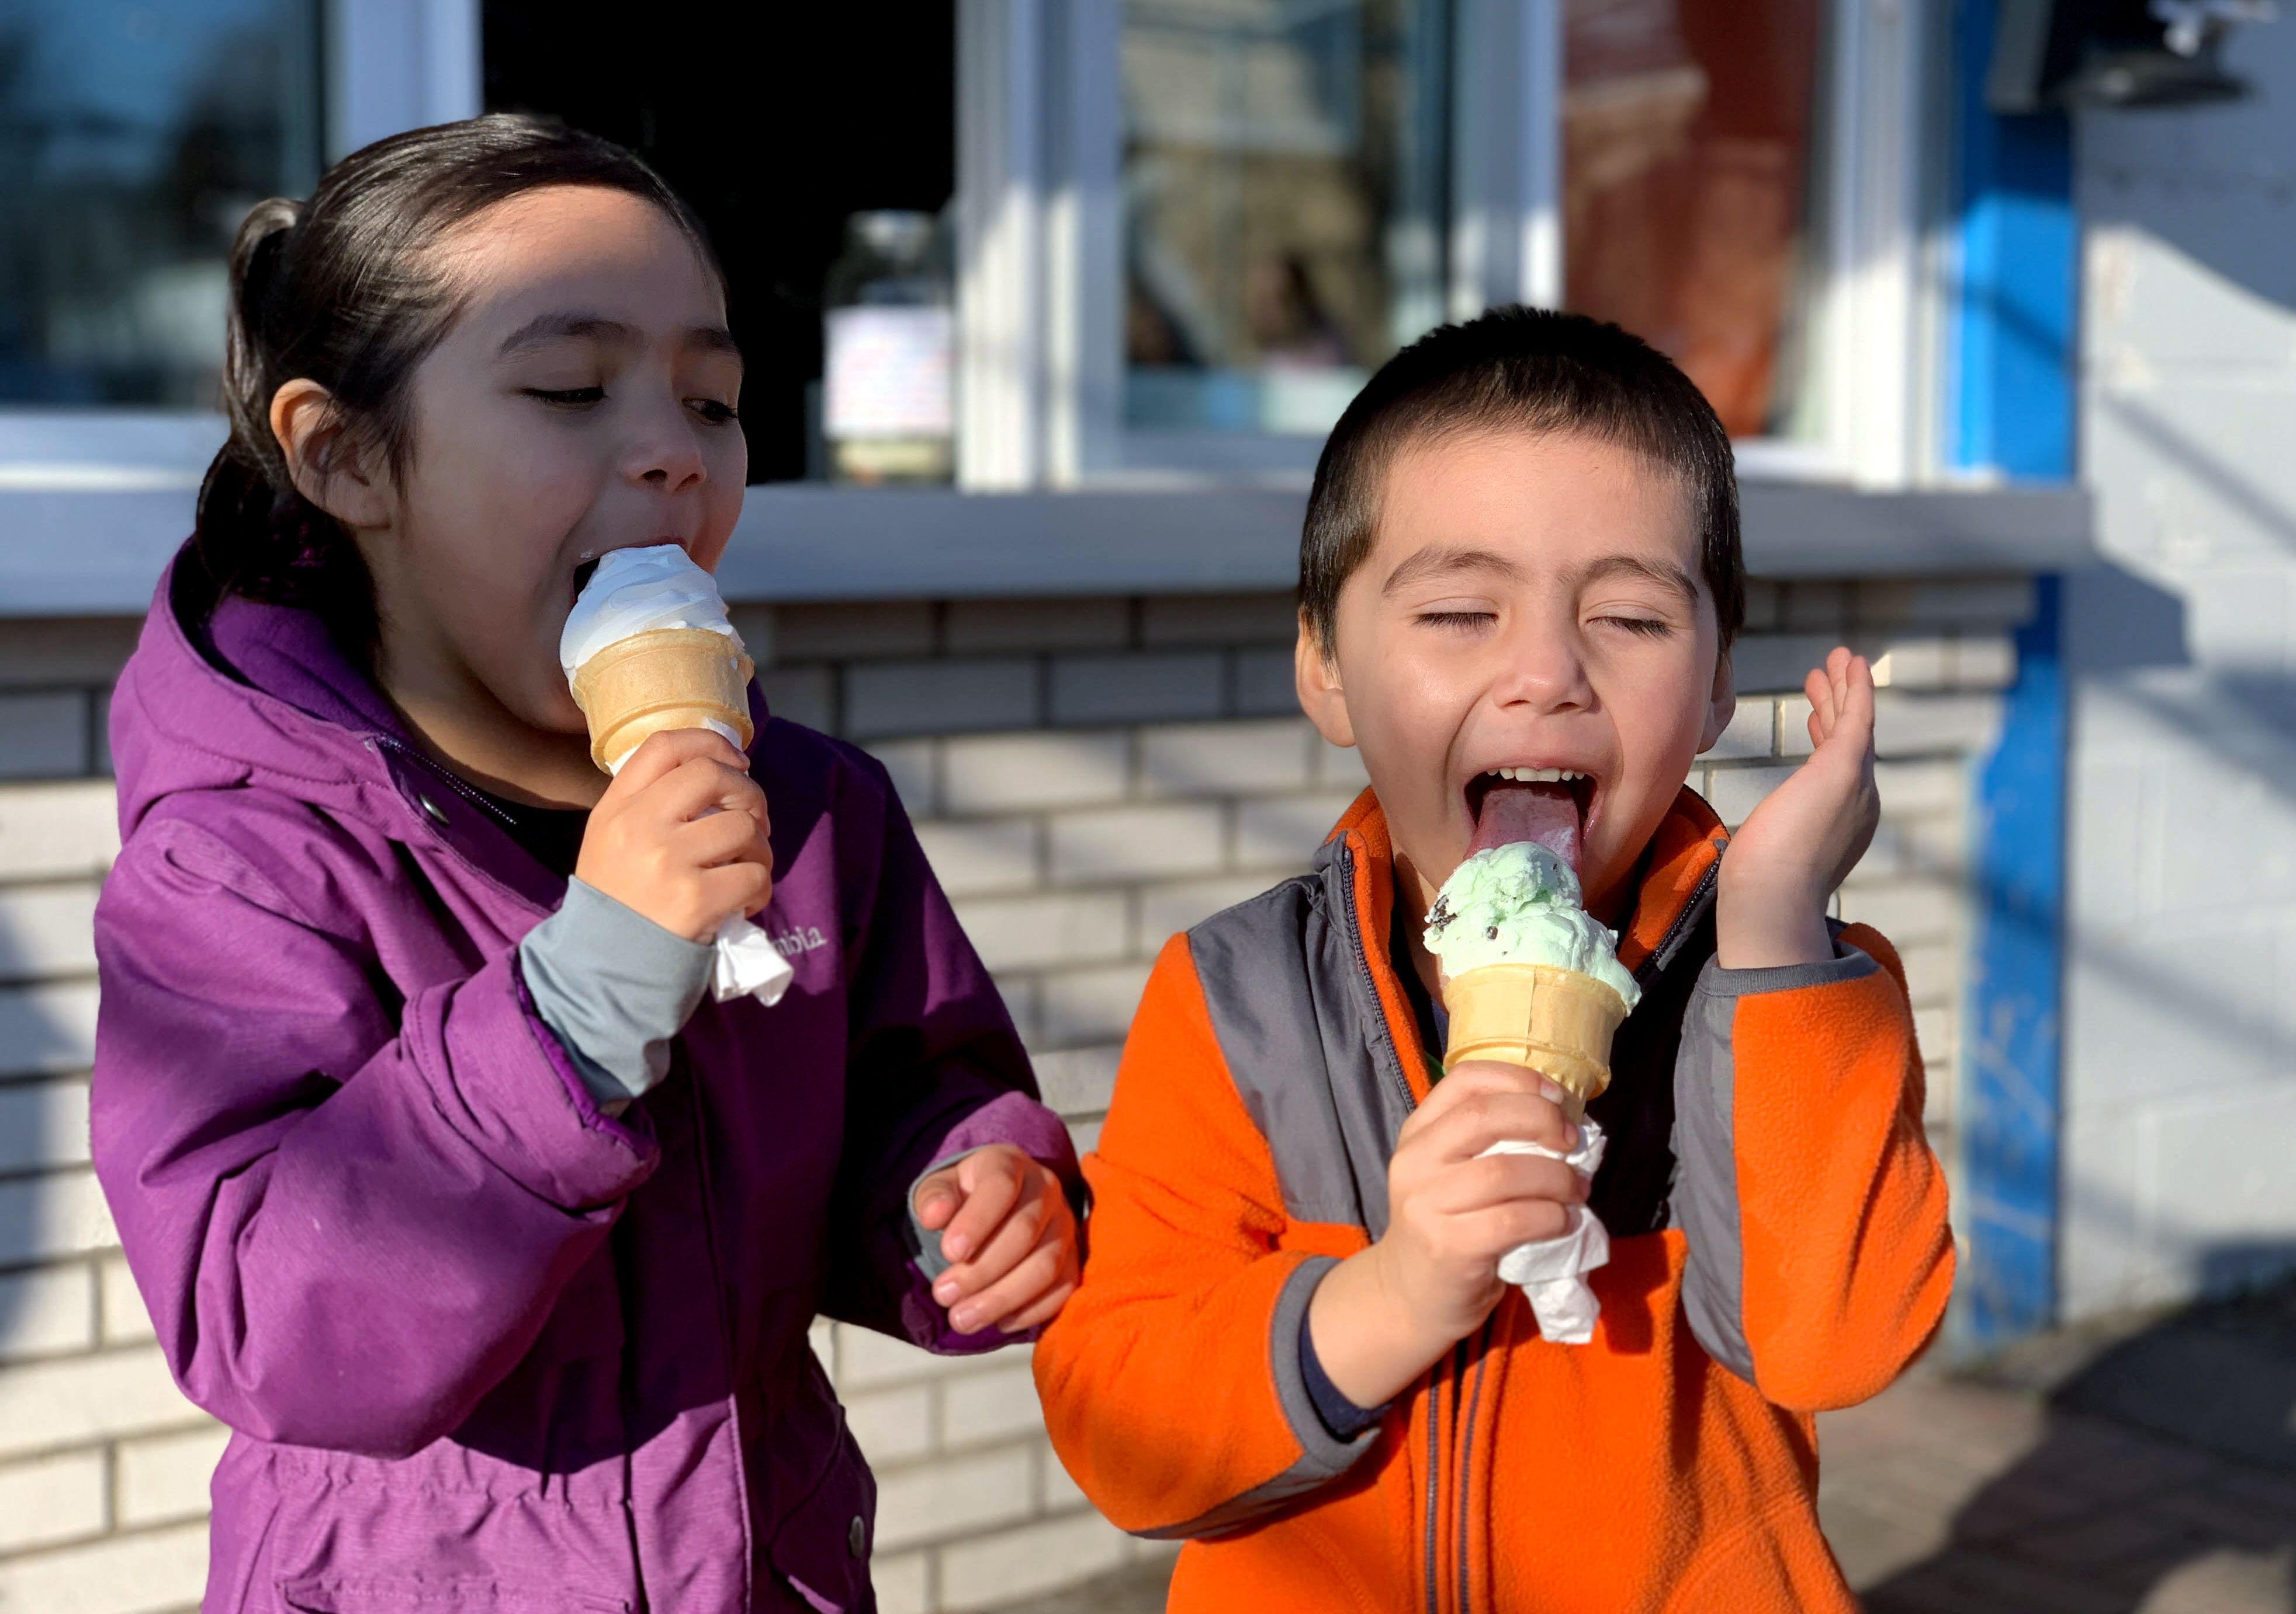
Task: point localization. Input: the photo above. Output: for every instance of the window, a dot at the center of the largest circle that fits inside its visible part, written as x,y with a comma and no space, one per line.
1689,216
1218,216
1285,186
135,135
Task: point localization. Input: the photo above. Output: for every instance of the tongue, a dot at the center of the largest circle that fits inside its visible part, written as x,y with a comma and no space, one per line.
1548,813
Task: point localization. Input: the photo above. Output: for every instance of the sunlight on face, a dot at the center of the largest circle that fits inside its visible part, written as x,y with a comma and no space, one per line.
1529,602
583,401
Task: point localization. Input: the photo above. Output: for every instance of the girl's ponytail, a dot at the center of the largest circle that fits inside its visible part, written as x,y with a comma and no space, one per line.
256,533
342,290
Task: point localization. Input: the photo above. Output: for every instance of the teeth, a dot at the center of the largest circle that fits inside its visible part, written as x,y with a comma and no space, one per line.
1537,776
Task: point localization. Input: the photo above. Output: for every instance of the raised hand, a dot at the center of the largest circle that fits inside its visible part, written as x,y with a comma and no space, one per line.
1785,861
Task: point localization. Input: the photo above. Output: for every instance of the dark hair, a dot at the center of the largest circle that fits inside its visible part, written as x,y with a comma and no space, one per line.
1520,370
339,289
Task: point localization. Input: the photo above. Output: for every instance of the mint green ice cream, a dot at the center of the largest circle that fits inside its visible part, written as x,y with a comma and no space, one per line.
1519,905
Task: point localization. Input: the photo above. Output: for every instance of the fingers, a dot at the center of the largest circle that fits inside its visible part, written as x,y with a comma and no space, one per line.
1471,1080
735,888
992,1182
1493,1105
669,749
1042,1276
1002,1249
1503,1179
723,837
705,784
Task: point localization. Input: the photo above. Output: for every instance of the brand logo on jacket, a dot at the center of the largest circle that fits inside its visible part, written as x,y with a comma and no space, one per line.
800,938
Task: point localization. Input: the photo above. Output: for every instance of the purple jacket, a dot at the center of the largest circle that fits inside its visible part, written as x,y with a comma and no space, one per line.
483,1346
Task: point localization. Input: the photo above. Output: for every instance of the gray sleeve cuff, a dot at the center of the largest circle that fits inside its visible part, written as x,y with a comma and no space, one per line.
614,987
1848,964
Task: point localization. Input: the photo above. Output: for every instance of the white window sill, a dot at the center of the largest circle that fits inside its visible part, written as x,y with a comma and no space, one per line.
86,529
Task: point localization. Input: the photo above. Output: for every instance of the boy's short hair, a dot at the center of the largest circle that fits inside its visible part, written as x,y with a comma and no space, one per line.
1520,370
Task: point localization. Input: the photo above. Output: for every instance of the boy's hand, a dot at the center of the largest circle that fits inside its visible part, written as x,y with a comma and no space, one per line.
1384,1315
1799,844
680,835
1006,1226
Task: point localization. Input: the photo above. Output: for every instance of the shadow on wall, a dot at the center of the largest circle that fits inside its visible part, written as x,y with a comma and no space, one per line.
2164,1478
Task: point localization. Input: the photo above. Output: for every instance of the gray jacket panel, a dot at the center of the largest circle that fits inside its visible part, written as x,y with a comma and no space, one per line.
1705,1141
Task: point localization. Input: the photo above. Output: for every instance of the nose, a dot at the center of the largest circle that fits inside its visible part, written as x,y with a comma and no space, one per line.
666,456
1544,670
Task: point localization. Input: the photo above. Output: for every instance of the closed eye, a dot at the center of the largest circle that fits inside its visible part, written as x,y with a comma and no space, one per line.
1458,621
713,411
570,398
1649,628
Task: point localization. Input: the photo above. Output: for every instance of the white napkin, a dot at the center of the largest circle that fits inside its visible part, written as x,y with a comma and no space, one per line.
1549,1272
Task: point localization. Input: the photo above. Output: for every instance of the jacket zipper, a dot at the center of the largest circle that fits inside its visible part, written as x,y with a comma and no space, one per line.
446,778
1434,1479
1482,1344
1345,863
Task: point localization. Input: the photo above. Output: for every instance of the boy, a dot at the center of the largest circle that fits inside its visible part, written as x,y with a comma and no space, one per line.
1291,1348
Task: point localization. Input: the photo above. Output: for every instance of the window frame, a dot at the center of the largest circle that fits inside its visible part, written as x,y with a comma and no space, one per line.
1040,245
385,65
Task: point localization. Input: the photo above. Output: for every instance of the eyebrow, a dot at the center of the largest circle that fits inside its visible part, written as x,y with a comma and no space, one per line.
1672,577
1438,563
564,325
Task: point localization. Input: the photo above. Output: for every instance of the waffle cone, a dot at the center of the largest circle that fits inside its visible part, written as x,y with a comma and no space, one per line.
1557,1022
672,677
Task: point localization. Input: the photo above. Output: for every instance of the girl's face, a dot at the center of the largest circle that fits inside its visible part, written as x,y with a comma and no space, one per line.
583,400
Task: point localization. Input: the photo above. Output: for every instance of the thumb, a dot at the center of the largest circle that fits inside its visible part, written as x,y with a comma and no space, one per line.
937,1197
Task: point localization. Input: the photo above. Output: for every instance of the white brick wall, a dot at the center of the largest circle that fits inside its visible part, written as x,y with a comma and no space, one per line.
1086,777
2179,1062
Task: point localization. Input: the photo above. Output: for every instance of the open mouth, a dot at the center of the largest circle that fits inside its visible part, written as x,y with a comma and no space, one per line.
1551,805
584,573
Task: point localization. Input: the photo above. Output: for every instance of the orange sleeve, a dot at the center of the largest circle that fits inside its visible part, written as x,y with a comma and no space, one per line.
1847,1258
1170,1381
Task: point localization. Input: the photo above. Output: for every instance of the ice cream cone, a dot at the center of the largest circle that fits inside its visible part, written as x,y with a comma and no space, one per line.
1556,1022
668,678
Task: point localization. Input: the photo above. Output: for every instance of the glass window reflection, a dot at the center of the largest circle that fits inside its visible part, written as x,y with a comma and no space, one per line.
1286,201
1689,196
134,137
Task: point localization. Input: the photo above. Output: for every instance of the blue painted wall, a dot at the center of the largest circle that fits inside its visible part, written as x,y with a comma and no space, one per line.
2009,410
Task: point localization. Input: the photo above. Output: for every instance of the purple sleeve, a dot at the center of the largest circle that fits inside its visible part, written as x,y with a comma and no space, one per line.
934,1068
349,1218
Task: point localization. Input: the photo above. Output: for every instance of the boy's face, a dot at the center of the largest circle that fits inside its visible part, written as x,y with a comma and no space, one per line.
1529,602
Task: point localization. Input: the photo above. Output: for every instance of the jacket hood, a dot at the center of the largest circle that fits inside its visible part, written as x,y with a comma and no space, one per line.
225,692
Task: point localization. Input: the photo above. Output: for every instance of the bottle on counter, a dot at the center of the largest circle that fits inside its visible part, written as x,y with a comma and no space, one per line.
888,352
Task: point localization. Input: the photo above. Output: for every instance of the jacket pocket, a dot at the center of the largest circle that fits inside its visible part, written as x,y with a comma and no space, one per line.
405,1594
821,1548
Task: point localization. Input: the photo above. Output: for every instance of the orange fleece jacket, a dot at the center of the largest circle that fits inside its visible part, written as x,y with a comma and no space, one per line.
1795,1256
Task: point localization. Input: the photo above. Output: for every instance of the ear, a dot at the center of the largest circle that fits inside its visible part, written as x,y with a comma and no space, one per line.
1721,703
330,467
1315,675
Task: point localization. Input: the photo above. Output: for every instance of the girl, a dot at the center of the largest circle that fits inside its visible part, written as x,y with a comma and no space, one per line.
495,1244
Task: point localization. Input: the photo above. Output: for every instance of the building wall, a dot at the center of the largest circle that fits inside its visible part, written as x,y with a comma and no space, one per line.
1087,776
2179,1075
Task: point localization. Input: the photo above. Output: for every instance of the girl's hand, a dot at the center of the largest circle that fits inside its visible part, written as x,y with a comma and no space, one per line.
1796,848
1006,1225
680,835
